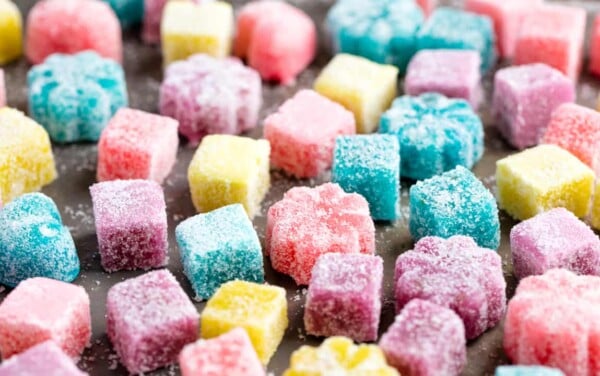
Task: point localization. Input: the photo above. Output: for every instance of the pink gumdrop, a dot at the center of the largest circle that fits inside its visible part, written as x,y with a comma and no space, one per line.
595,47
45,359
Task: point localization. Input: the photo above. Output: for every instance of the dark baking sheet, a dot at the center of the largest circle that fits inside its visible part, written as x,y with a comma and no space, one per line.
76,166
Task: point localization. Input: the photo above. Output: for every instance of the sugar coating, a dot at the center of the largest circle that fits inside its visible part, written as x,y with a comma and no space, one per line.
426,339
129,12
208,95
554,35
218,247
26,159
34,242
153,11
43,359
228,354
261,310
41,309
449,28
137,145
149,319
302,133
344,296
92,26
2,90
339,356
74,96
541,178
309,222
453,73
362,86
525,97
11,25
383,31
527,371
594,51
455,273
552,321
370,166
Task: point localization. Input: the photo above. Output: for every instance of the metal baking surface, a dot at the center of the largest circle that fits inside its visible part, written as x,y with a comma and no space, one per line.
76,166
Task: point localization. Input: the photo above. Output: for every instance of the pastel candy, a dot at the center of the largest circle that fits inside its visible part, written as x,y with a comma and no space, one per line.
74,96
153,11
595,47
149,320
309,222
41,309
43,359
34,242
11,39
527,371
594,218
457,274
2,90
218,247
129,12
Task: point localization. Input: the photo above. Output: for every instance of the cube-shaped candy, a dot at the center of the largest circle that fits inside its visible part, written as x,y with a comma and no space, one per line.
457,274
131,223
426,339
454,203
525,97
362,86
149,320
541,178
453,73
153,11
2,90
339,356
344,296
218,247
340,219
527,371
92,26
553,35
43,359
74,96
137,145
259,309
41,309
435,133
11,39
129,12
188,28
302,133
230,170
595,47
34,242
228,354
450,28
26,160
382,31
208,95
370,166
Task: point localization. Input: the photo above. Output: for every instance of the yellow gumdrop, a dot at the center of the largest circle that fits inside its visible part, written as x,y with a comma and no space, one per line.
11,32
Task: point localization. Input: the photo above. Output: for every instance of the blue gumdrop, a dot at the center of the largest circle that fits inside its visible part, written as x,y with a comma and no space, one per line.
129,12
218,247
435,133
34,242
527,371
74,96
370,166
454,203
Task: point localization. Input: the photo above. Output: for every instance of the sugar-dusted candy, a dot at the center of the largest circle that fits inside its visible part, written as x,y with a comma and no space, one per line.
131,224
554,35
2,90
129,12
527,371
435,133
137,145
455,273
362,86
344,296
449,28
149,319
370,166
426,339
525,97
189,28
309,222
26,159
453,73
153,11
382,31
302,133
595,47
541,178
92,25
34,242
218,247
208,95
41,309
228,354
74,96
11,38
261,310
339,356
45,358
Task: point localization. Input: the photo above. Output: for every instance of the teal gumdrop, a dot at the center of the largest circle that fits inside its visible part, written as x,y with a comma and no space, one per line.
527,371
129,12
34,242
